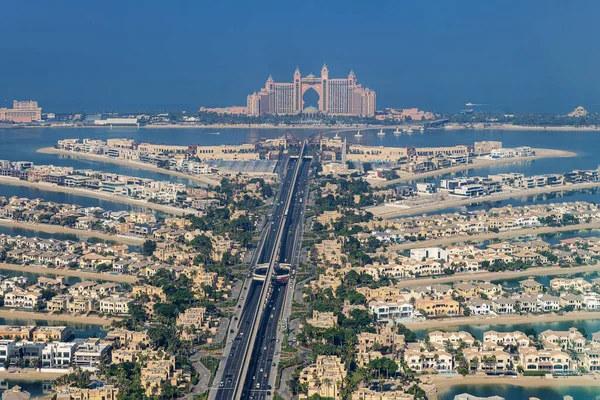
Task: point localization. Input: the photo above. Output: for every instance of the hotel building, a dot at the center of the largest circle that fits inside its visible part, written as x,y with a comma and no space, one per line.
22,111
337,96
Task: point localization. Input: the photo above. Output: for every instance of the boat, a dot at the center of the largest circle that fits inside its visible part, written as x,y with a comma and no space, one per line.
422,129
337,135
212,133
381,133
409,130
397,131
358,134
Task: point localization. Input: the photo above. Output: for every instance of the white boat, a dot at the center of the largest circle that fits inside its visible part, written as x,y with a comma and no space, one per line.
409,130
212,133
422,129
337,135
358,134
397,131
381,133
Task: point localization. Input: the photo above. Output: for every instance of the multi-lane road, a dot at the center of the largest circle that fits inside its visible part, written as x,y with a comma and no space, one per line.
249,326
262,367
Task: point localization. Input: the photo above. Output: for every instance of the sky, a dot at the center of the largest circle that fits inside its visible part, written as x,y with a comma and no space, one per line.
513,55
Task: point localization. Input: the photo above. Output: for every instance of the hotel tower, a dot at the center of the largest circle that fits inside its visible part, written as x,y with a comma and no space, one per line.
337,96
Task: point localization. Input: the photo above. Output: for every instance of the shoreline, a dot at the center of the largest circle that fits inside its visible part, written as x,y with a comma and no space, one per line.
44,186
477,163
69,272
391,211
497,276
128,163
512,127
445,383
31,375
510,319
543,230
448,126
48,228
74,319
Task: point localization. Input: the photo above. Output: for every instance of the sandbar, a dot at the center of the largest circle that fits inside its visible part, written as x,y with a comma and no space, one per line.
502,320
129,163
477,163
497,276
391,211
48,228
96,194
74,319
493,235
101,276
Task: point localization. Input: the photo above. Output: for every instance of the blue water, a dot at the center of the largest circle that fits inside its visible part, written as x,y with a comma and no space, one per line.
80,330
522,393
590,325
68,280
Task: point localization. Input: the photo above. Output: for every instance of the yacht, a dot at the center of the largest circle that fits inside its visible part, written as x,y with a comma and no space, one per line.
409,130
381,132
358,134
337,135
397,131
422,129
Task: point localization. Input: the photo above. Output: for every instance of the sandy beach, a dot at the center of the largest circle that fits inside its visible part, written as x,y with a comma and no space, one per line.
492,235
444,382
101,276
95,194
502,320
391,211
495,276
74,319
477,163
31,375
134,241
133,164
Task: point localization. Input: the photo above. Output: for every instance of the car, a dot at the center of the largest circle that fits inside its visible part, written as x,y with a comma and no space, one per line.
221,384
258,385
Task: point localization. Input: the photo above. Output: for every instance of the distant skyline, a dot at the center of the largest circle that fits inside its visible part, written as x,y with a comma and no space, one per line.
539,55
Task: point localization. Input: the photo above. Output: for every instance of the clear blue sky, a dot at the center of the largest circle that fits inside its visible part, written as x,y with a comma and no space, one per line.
538,55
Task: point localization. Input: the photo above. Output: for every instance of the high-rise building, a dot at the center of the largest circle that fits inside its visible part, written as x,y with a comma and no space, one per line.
337,96
22,111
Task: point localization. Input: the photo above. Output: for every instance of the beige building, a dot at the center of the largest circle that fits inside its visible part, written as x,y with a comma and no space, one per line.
22,111
246,151
51,334
325,377
322,320
106,392
368,394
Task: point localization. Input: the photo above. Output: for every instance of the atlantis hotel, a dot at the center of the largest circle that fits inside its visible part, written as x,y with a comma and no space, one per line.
342,96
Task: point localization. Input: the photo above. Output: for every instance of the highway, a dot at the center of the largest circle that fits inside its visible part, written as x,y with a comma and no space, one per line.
229,379
261,367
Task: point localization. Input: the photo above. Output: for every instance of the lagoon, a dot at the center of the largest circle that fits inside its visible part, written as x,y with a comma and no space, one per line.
510,392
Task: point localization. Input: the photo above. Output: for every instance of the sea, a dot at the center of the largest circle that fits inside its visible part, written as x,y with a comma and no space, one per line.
21,145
